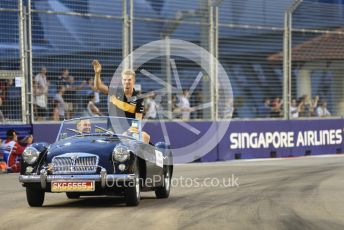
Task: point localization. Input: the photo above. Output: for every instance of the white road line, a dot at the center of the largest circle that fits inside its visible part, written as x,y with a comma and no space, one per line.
260,160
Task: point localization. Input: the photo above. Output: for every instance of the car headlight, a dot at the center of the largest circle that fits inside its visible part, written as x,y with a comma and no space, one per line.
120,153
30,155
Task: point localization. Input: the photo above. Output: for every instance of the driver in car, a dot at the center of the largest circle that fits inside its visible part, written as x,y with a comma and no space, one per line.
84,126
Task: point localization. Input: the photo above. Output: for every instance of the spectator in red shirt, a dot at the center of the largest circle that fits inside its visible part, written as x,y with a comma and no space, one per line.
13,149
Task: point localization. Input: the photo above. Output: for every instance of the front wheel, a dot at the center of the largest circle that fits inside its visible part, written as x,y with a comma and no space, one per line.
35,197
164,190
132,191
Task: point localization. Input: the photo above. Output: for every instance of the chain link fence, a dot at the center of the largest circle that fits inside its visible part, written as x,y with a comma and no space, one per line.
317,60
65,37
248,33
188,21
12,84
283,61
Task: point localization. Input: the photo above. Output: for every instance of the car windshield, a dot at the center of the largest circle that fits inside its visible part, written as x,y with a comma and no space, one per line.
87,126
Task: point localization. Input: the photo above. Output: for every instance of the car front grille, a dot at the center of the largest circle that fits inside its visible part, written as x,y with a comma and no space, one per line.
75,163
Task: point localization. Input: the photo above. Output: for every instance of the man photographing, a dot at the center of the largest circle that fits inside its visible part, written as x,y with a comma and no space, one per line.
128,101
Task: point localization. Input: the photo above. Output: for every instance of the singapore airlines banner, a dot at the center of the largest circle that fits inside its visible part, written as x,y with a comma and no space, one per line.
290,139
255,139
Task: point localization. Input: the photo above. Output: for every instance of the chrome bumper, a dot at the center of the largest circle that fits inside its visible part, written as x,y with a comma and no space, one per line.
103,177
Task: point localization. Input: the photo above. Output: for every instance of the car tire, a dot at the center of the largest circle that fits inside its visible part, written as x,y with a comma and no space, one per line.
132,193
164,191
35,197
73,195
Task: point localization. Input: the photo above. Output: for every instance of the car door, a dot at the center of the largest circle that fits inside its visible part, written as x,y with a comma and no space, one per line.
154,164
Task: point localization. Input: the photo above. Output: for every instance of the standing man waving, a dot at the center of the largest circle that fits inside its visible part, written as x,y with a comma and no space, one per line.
128,101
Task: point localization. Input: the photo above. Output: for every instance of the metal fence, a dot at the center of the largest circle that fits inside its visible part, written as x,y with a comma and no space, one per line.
65,37
12,76
317,70
283,58
248,34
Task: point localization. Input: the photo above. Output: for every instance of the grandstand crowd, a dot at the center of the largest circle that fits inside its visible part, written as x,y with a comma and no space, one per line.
63,97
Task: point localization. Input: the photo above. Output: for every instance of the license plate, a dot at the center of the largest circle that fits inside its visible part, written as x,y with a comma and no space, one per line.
72,186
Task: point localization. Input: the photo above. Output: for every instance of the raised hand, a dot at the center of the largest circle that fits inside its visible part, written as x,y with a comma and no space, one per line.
97,82
96,66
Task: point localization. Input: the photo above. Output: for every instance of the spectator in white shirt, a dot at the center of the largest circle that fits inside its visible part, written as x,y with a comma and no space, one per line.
184,105
41,94
92,109
322,110
295,108
151,107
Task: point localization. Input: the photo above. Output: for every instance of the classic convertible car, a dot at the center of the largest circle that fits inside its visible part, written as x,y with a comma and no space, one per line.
97,156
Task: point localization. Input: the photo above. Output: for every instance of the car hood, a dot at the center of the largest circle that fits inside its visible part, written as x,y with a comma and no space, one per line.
98,145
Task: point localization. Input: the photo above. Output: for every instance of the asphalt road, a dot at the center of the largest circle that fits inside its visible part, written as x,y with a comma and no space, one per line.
298,193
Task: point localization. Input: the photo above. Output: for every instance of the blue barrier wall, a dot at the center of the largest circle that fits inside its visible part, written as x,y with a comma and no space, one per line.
245,139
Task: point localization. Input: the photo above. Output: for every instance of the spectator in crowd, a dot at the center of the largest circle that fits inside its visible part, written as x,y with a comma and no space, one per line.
314,105
71,87
89,89
151,106
196,100
52,91
14,149
295,108
59,105
184,105
305,106
83,97
302,107
264,109
55,114
2,117
322,110
92,109
13,101
228,110
68,82
175,109
276,107
41,94
237,106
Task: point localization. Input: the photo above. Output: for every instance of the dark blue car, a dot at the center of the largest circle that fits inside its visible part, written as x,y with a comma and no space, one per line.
97,156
